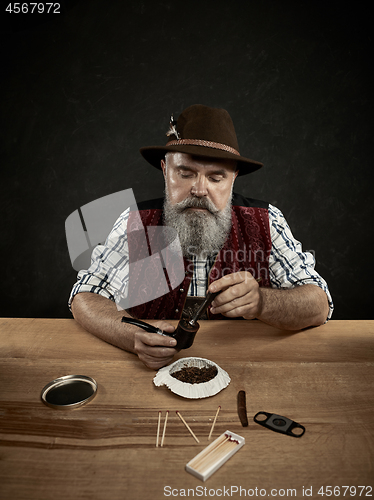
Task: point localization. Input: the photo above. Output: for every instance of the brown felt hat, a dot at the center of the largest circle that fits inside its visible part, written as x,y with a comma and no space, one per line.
202,131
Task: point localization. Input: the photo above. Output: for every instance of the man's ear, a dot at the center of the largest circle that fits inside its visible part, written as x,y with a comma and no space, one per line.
163,167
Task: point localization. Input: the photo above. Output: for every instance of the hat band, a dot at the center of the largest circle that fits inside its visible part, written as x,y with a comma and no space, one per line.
206,144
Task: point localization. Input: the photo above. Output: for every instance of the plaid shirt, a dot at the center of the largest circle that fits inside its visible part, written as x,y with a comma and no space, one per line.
289,266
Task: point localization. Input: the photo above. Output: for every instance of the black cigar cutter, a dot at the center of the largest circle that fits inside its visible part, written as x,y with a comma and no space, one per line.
278,423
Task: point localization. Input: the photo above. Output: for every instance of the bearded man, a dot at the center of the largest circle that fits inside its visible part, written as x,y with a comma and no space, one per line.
240,247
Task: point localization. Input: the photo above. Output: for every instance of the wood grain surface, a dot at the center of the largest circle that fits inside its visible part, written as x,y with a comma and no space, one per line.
322,378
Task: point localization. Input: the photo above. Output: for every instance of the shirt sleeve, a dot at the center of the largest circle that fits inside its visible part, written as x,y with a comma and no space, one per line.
108,274
289,265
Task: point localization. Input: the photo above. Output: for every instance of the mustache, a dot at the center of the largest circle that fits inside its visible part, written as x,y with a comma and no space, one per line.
193,202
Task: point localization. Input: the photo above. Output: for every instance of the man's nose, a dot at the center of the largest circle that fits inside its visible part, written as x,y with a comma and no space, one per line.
199,187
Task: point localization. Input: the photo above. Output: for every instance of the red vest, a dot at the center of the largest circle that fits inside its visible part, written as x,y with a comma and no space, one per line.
247,248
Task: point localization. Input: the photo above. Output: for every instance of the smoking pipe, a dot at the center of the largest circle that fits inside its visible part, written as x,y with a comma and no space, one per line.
186,330
204,306
188,327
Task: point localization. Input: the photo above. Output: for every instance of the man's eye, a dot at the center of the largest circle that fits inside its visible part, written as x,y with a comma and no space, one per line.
216,179
186,176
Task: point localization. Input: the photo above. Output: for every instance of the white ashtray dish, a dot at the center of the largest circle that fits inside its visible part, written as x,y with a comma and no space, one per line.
196,390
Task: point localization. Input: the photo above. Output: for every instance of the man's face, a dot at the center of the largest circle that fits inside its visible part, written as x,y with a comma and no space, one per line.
198,201
187,176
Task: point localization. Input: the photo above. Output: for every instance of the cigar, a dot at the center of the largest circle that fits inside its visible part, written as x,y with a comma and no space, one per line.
242,409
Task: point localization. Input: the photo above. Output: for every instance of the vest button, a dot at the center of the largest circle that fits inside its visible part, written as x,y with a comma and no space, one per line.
177,310
181,290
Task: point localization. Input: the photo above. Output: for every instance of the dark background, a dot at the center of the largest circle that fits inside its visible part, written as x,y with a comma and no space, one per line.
82,91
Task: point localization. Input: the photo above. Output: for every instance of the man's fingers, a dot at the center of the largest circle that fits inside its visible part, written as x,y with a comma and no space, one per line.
153,349
163,325
234,293
232,302
229,280
155,339
247,308
240,299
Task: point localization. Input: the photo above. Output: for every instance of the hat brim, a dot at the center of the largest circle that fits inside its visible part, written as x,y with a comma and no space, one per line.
154,155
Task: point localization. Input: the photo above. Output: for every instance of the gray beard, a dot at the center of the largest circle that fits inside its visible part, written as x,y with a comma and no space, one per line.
201,234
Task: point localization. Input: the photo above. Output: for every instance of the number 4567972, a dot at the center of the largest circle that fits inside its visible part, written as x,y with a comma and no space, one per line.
349,491
33,8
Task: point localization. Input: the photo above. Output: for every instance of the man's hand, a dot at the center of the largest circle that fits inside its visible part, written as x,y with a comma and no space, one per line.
155,350
240,296
100,316
292,309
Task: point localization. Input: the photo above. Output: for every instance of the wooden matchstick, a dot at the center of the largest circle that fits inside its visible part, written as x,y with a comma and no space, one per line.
158,428
223,445
163,433
214,423
209,450
214,457
188,427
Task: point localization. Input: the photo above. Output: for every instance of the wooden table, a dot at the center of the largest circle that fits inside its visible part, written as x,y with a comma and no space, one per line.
322,378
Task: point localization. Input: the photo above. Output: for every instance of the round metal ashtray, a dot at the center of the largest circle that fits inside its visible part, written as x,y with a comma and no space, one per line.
69,392
196,390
